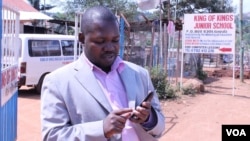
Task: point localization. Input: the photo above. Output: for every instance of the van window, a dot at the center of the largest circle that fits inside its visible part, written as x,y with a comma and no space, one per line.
67,47
44,48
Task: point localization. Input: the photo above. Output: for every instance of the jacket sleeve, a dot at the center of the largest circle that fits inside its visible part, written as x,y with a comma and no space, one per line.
55,119
158,117
160,125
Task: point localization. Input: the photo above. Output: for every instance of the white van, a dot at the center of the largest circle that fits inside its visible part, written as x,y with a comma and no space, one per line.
42,53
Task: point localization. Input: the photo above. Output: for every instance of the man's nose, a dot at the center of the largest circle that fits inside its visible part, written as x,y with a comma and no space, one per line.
109,46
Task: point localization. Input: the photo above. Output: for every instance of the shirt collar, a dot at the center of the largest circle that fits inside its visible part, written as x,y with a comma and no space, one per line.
117,65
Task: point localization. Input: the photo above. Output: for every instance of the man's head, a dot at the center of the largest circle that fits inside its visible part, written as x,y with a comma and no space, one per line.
100,34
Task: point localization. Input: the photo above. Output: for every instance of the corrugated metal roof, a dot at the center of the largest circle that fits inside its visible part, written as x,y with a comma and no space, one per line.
20,5
27,12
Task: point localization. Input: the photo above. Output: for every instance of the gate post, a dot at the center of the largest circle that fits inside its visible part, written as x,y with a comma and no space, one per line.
9,49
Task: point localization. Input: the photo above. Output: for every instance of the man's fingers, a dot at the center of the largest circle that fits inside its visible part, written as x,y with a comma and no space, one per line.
126,115
146,105
123,111
141,113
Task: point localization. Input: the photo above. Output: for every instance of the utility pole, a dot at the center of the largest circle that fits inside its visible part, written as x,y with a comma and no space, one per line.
160,40
241,45
167,38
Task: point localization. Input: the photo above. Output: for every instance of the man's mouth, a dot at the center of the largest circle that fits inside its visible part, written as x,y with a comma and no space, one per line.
110,56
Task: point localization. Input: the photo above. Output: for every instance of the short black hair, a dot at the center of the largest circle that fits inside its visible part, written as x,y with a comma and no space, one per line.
100,12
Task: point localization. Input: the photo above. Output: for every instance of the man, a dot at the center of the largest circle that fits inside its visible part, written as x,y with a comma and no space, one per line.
94,98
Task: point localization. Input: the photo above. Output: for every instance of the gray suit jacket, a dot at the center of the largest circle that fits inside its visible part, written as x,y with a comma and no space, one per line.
73,105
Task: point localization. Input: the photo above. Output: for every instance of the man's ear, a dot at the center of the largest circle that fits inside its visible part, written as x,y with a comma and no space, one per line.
81,37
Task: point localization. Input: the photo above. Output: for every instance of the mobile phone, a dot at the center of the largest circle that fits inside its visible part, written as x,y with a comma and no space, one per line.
147,98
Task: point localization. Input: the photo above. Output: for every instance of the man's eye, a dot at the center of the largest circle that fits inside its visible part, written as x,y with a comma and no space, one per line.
116,40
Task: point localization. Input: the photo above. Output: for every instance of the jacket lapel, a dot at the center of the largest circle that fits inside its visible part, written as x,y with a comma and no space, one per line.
87,79
128,78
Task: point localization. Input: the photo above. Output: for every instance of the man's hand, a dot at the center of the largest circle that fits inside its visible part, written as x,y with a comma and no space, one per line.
115,122
141,113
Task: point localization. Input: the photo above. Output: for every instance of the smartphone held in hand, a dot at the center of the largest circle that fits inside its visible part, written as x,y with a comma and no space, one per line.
148,98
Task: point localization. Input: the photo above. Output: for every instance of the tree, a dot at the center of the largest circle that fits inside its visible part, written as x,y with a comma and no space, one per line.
175,9
37,5
181,7
245,31
129,9
204,6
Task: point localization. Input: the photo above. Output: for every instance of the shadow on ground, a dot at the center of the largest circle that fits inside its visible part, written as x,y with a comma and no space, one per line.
170,123
28,93
210,80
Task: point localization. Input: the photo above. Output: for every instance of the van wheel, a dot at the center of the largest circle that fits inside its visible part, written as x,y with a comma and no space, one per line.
38,87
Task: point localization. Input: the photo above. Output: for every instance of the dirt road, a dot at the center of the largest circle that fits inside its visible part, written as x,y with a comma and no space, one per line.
189,118
200,118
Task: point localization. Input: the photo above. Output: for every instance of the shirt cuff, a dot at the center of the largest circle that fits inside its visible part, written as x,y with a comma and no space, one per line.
151,121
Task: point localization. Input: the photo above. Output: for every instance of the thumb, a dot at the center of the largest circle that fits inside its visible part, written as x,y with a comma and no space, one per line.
126,115
123,112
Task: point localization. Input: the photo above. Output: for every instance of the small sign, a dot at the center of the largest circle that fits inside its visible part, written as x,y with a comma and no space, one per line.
8,83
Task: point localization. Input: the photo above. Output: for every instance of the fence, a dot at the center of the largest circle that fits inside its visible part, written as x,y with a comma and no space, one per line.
9,59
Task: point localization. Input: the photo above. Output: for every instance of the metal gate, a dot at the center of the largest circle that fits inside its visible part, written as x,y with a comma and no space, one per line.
9,59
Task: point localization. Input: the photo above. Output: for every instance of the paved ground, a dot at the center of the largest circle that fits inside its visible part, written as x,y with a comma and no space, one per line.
189,118
28,126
